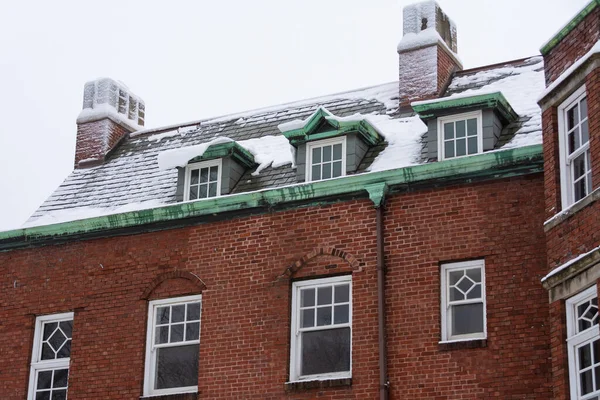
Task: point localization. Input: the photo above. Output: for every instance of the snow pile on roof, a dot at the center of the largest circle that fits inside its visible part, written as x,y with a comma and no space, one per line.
404,141
181,156
180,131
413,15
300,123
568,264
274,151
569,71
103,111
426,37
74,214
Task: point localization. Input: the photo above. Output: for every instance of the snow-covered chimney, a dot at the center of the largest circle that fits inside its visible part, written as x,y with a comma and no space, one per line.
427,52
110,112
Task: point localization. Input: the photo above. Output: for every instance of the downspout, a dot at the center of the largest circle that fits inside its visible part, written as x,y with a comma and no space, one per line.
377,194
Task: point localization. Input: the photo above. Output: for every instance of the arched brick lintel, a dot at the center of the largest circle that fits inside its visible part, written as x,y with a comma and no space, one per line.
156,282
323,251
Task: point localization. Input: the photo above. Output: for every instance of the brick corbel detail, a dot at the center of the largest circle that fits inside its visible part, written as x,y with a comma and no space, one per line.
322,251
156,282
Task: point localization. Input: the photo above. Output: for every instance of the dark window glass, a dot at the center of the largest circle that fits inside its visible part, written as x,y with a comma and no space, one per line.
326,153
326,171
472,127
323,316
192,331
341,314
472,144
307,318
316,172
44,380
193,311
467,318
324,295
337,169
337,151
177,367
461,147
307,297
449,149
325,351
449,131
316,154
460,129
342,293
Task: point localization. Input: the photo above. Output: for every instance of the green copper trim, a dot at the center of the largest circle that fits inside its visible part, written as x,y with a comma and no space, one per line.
377,193
229,149
490,100
307,133
556,39
491,165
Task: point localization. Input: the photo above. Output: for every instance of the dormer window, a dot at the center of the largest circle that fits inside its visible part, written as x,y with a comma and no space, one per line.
326,159
203,180
460,135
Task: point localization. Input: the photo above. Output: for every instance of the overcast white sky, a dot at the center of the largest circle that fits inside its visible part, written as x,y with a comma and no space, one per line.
194,59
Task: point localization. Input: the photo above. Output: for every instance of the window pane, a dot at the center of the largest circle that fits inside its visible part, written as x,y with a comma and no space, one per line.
585,134
307,297
583,110
203,192
337,151
44,380
177,367
316,172
326,153
67,328
204,175
587,385
342,293
337,169
162,334
341,314
461,147
47,352
162,315
193,312
49,329
323,316
178,313
474,274
212,189
449,130
194,177
472,145
572,117
177,333
472,127
65,350
585,356
467,318
456,294
475,293
192,331
461,130
316,155
325,351
465,284
449,149
214,172
307,318
42,396
574,142
326,171
454,276
324,295
60,378
59,395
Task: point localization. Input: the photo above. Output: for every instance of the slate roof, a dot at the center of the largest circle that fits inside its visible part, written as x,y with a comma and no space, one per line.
131,174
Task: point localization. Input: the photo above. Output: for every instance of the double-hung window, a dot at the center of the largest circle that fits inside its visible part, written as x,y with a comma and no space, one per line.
583,340
326,159
172,345
463,301
203,180
49,376
460,135
321,329
574,141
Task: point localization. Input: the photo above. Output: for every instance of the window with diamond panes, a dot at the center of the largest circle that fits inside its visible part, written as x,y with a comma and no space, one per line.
463,288
51,356
584,345
322,328
576,140
326,159
175,339
460,135
203,180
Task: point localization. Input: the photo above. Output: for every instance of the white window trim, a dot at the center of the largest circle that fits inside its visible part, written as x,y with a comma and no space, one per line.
321,143
295,342
574,339
566,181
36,363
150,364
202,164
447,336
459,117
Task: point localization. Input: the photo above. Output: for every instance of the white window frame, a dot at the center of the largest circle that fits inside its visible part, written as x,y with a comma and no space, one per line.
36,363
150,364
566,171
446,309
295,346
454,118
320,143
199,165
575,340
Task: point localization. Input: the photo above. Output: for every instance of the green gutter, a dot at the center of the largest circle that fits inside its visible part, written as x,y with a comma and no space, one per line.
556,39
494,100
512,162
229,149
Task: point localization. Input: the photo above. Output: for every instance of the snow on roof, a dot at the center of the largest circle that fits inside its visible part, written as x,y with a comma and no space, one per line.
569,71
132,176
566,265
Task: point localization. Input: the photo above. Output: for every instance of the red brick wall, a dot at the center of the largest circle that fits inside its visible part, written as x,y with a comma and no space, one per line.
446,68
244,350
578,42
95,139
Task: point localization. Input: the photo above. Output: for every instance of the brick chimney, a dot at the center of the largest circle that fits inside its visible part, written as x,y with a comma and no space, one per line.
427,52
110,112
